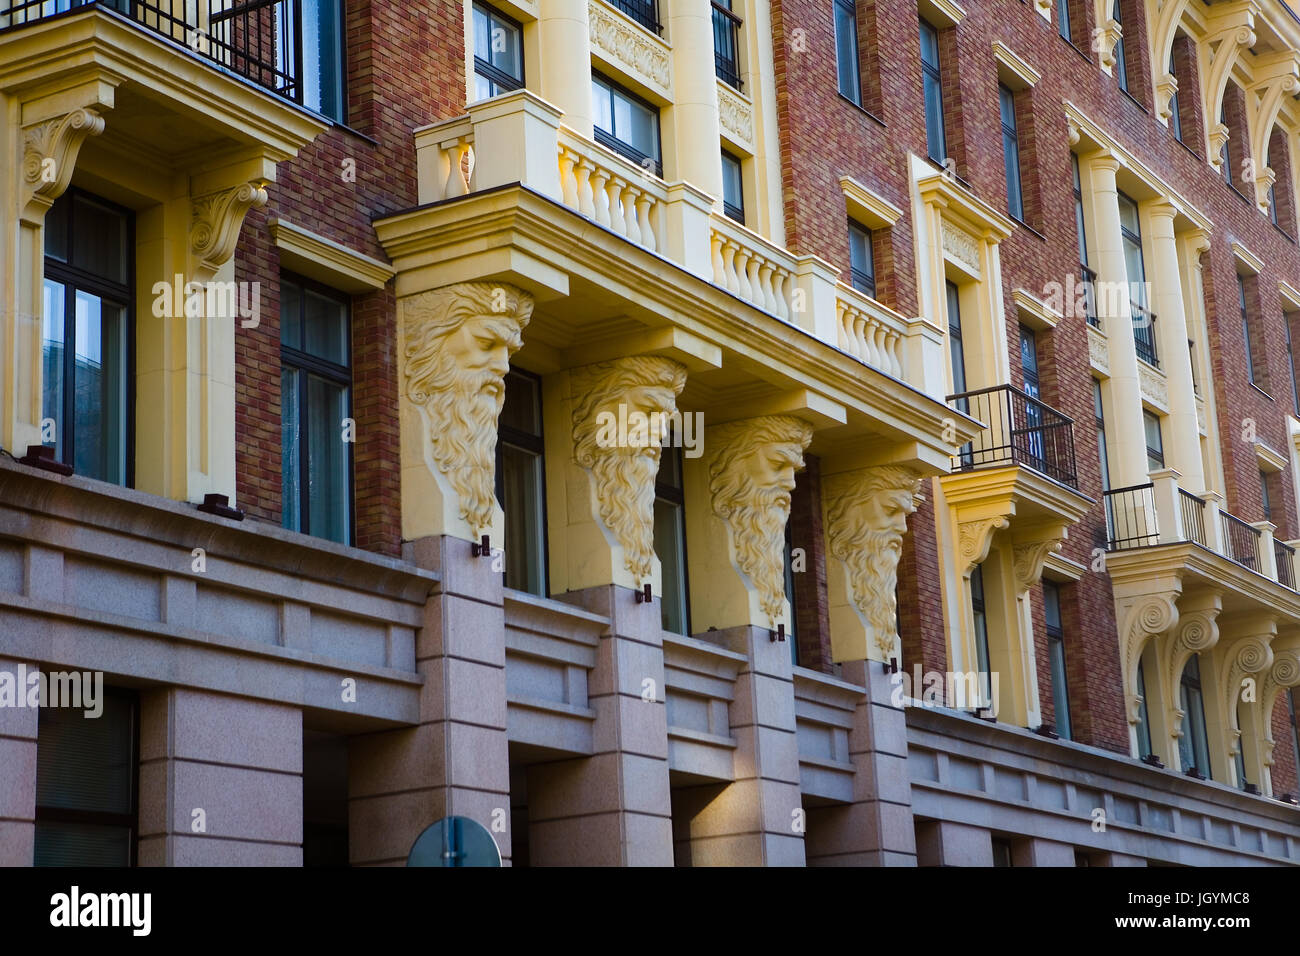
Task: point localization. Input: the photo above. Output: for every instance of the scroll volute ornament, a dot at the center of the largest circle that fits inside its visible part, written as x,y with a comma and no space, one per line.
50,154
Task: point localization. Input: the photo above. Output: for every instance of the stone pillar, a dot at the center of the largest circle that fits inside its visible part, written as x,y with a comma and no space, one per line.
566,37
455,762
695,92
876,829
220,780
614,807
940,843
1037,852
736,561
18,727
1182,434
1128,462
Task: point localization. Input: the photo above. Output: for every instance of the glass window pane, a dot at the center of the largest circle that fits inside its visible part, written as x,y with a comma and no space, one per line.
56,229
846,51
482,34
291,449
99,388
1060,689
521,481
935,137
522,410
670,546
99,239
326,327
732,188
505,48
328,499
290,314
54,303
1052,606
322,79
87,763
601,106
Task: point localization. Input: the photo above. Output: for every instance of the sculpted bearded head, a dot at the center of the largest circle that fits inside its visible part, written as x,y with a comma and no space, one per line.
458,343
624,473
751,474
866,518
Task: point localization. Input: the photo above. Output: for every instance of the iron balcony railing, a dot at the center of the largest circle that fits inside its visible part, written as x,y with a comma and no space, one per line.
1284,556
1144,334
1088,278
644,12
1131,517
260,40
1018,430
726,45
1240,541
1193,511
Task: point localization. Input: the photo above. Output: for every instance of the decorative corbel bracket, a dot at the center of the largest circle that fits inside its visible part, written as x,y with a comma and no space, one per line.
215,224
49,155
1197,631
974,538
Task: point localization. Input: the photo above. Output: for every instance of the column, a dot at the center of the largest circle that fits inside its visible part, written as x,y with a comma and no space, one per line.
1128,464
1182,435
736,560
698,153
565,41
18,783
220,780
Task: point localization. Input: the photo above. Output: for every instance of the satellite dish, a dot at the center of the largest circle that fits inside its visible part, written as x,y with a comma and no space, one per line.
455,841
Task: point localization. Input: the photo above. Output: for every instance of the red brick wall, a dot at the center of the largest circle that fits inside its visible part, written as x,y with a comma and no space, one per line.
405,66
812,607
1284,769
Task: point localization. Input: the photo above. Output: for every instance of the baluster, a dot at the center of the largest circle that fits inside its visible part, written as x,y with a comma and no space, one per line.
643,210
743,259
843,330
617,222
892,351
630,195
764,286
456,184
719,270
870,354
599,177
568,181
586,194
781,284
732,282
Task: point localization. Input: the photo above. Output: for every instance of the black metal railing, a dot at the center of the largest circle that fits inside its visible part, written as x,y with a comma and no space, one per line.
1193,512
1284,556
1088,280
1018,430
260,40
726,45
1240,541
1144,334
1131,520
644,12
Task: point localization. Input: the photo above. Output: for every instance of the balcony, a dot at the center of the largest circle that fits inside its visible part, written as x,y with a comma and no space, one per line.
1159,513
1018,430
259,40
1088,278
476,153
1144,334
644,12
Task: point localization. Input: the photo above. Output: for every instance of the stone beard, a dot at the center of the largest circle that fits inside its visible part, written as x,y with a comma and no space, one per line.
457,346
751,476
624,476
866,520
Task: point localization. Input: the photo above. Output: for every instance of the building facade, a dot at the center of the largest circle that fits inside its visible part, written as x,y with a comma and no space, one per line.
737,433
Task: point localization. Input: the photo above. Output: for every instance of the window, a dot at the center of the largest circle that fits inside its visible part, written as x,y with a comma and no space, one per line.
86,795
498,53
1011,152
1193,745
1290,365
322,55
846,50
1086,275
733,188
86,343
644,12
862,260
726,43
670,540
1144,720
1264,498
1063,20
1225,153
1175,117
1032,442
932,84
1144,333
1121,61
1196,374
791,592
1240,758
956,351
1295,730
1101,434
1155,446
981,623
1001,852
626,124
1255,367
315,398
520,485
1056,657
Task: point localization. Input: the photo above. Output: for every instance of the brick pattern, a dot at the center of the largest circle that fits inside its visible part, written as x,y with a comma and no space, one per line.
1284,770
812,609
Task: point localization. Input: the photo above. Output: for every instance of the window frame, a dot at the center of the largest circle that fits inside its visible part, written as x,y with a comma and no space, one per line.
74,278
863,280
729,209
1056,648
1121,56
724,18
307,365
535,445
1156,453
490,71
610,140
340,63
131,819
849,8
1011,153
1199,744
932,74
675,496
